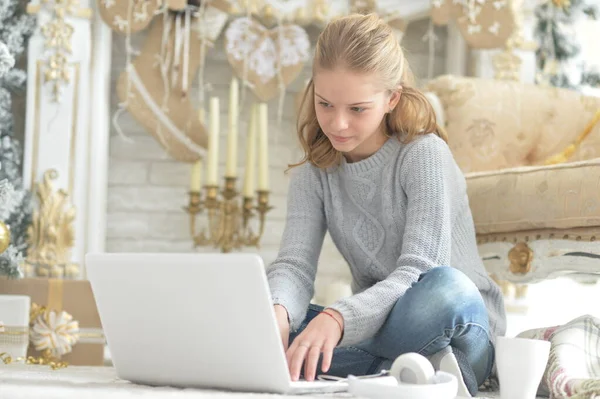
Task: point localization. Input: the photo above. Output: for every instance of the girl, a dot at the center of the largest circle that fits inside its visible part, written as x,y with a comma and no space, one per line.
378,175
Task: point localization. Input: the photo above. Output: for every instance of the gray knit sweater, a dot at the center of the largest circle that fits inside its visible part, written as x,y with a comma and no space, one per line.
393,216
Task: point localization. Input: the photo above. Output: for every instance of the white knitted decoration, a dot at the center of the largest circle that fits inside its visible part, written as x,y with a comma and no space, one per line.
55,331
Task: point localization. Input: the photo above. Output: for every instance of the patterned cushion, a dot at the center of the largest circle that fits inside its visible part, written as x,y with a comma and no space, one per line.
496,124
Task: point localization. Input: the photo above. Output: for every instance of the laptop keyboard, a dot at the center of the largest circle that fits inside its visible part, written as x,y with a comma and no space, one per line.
318,386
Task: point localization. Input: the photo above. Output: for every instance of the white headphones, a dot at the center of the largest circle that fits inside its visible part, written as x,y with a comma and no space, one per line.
411,376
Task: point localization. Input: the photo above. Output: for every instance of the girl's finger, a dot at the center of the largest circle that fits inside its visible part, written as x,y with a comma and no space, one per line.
327,356
310,365
297,359
290,352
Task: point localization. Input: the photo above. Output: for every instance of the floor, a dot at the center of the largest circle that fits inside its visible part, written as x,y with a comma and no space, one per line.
20,382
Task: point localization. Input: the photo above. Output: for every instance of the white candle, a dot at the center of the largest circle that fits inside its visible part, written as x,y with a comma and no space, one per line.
213,142
232,137
263,147
196,178
251,155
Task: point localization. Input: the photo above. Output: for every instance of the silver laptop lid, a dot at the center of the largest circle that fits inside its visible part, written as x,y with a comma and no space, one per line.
192,320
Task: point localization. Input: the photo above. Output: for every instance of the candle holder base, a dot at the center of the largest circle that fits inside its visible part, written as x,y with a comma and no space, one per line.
228,219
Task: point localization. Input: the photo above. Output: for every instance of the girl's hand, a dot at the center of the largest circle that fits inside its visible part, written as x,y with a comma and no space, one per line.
284,326
320,336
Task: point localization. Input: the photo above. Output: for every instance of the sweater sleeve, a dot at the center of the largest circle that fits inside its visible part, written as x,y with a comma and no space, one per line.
425,175
291,276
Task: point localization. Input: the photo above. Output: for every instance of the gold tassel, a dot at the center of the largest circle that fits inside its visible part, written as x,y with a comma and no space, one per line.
570,150
562,3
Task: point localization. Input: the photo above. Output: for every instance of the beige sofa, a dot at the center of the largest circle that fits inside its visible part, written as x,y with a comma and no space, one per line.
533,221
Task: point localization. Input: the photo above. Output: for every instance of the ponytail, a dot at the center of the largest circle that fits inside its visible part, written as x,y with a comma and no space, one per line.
413,116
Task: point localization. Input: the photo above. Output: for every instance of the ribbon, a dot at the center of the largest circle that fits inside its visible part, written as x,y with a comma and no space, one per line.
53,329
55,294
14,335
91,336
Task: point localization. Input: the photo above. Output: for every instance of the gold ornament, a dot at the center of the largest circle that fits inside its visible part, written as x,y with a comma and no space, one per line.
268,12
45,359
4,237
562,3
507,65
58,34
57,71
51,234
520,258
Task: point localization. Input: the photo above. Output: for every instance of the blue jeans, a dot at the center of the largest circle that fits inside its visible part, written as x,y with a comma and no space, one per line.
444,307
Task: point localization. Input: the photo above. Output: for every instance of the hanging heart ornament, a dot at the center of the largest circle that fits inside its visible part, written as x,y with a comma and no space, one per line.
268,59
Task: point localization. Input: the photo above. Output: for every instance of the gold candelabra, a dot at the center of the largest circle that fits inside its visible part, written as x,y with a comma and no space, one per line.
228,223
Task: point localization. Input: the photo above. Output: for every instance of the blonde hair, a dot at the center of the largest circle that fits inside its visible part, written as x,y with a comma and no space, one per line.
364,44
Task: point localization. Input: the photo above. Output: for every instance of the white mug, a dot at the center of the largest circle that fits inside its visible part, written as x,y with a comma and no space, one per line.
14,317
521,363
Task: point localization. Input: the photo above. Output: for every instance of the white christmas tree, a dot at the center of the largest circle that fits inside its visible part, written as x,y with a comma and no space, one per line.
11,258
559,55
16,26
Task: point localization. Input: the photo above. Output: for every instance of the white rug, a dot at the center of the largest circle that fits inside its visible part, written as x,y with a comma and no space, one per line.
21,381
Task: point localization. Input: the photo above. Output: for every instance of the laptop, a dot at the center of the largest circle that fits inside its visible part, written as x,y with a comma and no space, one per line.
193,320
